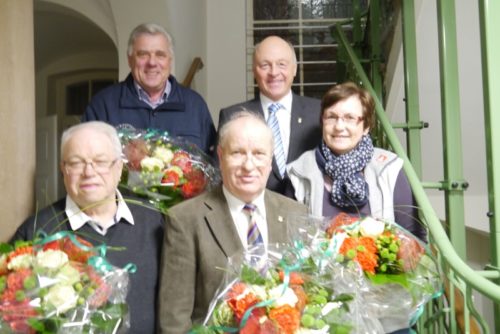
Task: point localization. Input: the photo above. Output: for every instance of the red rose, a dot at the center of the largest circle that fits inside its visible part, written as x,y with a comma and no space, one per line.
196,182
171,177
182,159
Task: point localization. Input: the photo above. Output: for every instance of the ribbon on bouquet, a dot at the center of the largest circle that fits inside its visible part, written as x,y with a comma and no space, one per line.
287,269
98,262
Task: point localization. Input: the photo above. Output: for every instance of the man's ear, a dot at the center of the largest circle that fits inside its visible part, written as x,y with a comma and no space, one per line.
219,153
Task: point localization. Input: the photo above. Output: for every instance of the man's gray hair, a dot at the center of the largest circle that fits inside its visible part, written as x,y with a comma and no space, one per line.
149,29
99,127
244,113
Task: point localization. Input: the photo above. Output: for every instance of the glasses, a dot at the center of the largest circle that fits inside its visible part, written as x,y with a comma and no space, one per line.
76,167
258,160
347,119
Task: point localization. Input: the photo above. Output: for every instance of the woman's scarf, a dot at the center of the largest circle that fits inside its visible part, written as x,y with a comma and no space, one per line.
349,186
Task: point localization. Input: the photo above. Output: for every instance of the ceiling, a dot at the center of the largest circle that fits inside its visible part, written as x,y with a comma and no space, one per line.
61,32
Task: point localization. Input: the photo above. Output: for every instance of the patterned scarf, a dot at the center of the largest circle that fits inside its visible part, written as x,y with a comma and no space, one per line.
346,170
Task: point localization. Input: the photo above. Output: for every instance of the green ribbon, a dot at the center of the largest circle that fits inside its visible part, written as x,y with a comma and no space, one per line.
98,262
286,280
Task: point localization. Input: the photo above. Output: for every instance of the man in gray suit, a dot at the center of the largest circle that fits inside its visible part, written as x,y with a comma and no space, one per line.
203,232
298,117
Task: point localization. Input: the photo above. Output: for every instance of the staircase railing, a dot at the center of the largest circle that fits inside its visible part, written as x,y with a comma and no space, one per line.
196,65
442,314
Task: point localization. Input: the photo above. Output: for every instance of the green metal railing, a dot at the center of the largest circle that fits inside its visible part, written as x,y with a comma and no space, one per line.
489,11
443,314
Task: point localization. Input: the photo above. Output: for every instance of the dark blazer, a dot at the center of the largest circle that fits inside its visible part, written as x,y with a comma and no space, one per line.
305,131
200,237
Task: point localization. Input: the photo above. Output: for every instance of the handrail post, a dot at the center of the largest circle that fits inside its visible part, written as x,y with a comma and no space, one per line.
451,125
489,10
411,85
375,48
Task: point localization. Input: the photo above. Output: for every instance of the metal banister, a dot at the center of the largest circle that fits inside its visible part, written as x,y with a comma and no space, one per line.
438,234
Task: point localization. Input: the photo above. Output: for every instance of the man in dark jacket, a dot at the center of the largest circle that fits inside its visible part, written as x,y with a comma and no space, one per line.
296,127
94,209
150,97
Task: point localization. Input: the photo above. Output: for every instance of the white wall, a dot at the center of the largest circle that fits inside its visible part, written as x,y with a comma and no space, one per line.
98,11
471,106
226,54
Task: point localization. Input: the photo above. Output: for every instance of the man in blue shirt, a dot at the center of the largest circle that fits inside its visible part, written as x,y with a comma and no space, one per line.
150,97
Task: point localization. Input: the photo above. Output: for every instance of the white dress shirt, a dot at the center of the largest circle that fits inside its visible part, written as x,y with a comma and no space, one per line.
77,218
240,218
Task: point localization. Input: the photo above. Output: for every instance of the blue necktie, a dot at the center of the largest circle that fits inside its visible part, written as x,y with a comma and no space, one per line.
279,152
254,238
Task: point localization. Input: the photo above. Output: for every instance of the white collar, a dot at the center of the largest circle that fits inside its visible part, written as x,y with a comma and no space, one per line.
285,101
77,218
237,204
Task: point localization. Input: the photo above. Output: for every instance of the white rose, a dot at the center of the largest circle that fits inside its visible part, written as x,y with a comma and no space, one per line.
61,297
68,274
152,164
259,291
329,307
281,298
51,259
370,227
20,262
164,154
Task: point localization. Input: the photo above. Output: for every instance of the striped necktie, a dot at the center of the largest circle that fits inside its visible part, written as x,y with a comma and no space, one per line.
254,238
279,152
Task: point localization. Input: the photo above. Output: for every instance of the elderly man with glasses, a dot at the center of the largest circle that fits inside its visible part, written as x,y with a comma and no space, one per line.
203,232
94,209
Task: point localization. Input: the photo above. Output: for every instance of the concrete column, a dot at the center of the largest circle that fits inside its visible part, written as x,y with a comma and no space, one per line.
17,114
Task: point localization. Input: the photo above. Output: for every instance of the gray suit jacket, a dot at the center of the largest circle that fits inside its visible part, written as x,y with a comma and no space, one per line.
305,130
199,237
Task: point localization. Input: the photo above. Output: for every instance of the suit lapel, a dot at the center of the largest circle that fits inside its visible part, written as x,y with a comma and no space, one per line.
221,223
296,121
276,224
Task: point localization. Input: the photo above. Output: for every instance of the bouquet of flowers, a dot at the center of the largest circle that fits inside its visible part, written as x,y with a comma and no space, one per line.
60,285
401,273
164,169
286,295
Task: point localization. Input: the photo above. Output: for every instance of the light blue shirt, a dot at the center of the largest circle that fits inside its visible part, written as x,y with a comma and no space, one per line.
144,96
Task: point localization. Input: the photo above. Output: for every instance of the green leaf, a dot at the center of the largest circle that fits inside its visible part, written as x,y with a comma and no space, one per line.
251,276
400,279
5,248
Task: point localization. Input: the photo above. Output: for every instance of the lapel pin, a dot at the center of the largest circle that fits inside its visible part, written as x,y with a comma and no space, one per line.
280,219
299,120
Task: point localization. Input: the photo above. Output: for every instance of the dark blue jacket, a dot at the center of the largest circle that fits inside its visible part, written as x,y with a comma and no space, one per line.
185,114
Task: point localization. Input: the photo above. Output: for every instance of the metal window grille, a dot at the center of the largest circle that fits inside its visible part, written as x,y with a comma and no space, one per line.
305,23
